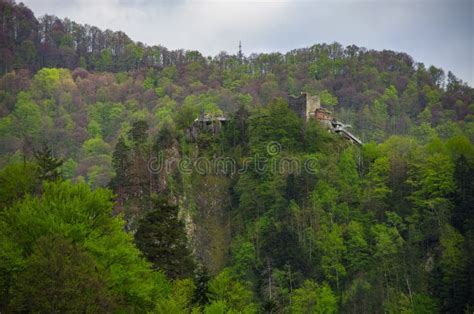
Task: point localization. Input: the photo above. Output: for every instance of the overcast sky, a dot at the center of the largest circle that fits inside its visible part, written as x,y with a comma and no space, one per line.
434,32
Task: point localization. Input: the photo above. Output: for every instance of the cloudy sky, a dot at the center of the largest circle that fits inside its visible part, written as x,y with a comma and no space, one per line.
431,31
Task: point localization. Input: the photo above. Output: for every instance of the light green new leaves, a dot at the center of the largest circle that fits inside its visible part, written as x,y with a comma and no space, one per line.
313,298
84,217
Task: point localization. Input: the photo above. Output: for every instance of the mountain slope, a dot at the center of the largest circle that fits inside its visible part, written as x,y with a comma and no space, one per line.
280,215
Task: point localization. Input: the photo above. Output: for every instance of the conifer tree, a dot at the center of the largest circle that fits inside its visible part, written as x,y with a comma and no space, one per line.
49,166
162,239
121,163
138,133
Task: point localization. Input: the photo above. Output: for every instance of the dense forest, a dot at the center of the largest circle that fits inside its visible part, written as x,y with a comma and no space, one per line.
106,204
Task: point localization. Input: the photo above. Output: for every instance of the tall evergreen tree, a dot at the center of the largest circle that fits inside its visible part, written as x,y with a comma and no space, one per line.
49,166
138,133
162,238
121,163
463,216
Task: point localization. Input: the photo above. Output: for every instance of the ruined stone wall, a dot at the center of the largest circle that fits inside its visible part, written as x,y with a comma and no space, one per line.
304,105
312,103
298,104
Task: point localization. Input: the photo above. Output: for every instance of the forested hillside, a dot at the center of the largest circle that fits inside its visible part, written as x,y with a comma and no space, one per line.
108,204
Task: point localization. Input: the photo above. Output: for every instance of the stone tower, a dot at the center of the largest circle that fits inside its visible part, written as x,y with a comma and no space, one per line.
304,105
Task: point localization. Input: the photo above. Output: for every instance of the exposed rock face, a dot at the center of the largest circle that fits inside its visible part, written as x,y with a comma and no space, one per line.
209,226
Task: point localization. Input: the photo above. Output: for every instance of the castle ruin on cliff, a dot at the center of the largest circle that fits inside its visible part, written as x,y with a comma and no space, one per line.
304,105
309,107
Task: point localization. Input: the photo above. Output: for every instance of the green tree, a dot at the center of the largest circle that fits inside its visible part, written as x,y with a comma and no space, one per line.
138,133
226,288
275,123
327,99
47,80
121,163
454,287
348,179
245,258
358,254
27,121
28,115
331,244
95,147
216,307
82,217
49,166
180,298
388,243
17,180
162,239
60,276
105,61
314,298
463,217
433,181
376,190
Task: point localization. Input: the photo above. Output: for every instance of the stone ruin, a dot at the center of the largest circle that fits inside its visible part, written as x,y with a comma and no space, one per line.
309,107
207,123
304,105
